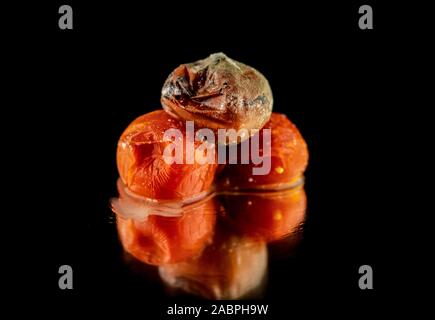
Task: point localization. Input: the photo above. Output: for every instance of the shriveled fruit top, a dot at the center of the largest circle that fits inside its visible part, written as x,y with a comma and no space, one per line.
218,92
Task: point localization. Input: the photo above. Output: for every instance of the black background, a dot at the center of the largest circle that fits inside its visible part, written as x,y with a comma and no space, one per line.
334,81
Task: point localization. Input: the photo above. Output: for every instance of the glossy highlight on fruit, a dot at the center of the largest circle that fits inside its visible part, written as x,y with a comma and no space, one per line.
288,158
142,166
218,93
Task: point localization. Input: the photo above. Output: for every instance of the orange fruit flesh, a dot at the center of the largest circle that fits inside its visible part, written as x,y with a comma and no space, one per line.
144,169
288,158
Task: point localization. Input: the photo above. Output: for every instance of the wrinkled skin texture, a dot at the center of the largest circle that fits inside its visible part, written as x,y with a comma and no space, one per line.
267,216
288,157
218,92
162,239
142,166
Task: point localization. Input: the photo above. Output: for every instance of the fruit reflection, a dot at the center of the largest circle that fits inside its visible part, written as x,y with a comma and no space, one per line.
215,248
266,215
231,268
179,234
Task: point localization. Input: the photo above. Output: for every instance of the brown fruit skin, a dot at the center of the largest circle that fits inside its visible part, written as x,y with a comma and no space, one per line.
267,216
142,167
218,93
161,239
288,158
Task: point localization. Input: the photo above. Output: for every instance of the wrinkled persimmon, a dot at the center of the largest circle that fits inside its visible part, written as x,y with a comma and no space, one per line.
142,165
208,225
288,157
218,93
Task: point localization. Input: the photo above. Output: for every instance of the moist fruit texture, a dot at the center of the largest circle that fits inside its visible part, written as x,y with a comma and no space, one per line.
142,166
288,158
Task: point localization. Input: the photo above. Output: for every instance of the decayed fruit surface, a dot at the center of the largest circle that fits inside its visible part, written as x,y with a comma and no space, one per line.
167,214
218,93
161,239
144,169
288,158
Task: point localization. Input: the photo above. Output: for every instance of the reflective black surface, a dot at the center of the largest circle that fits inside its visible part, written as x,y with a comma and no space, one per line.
215,248
326,76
